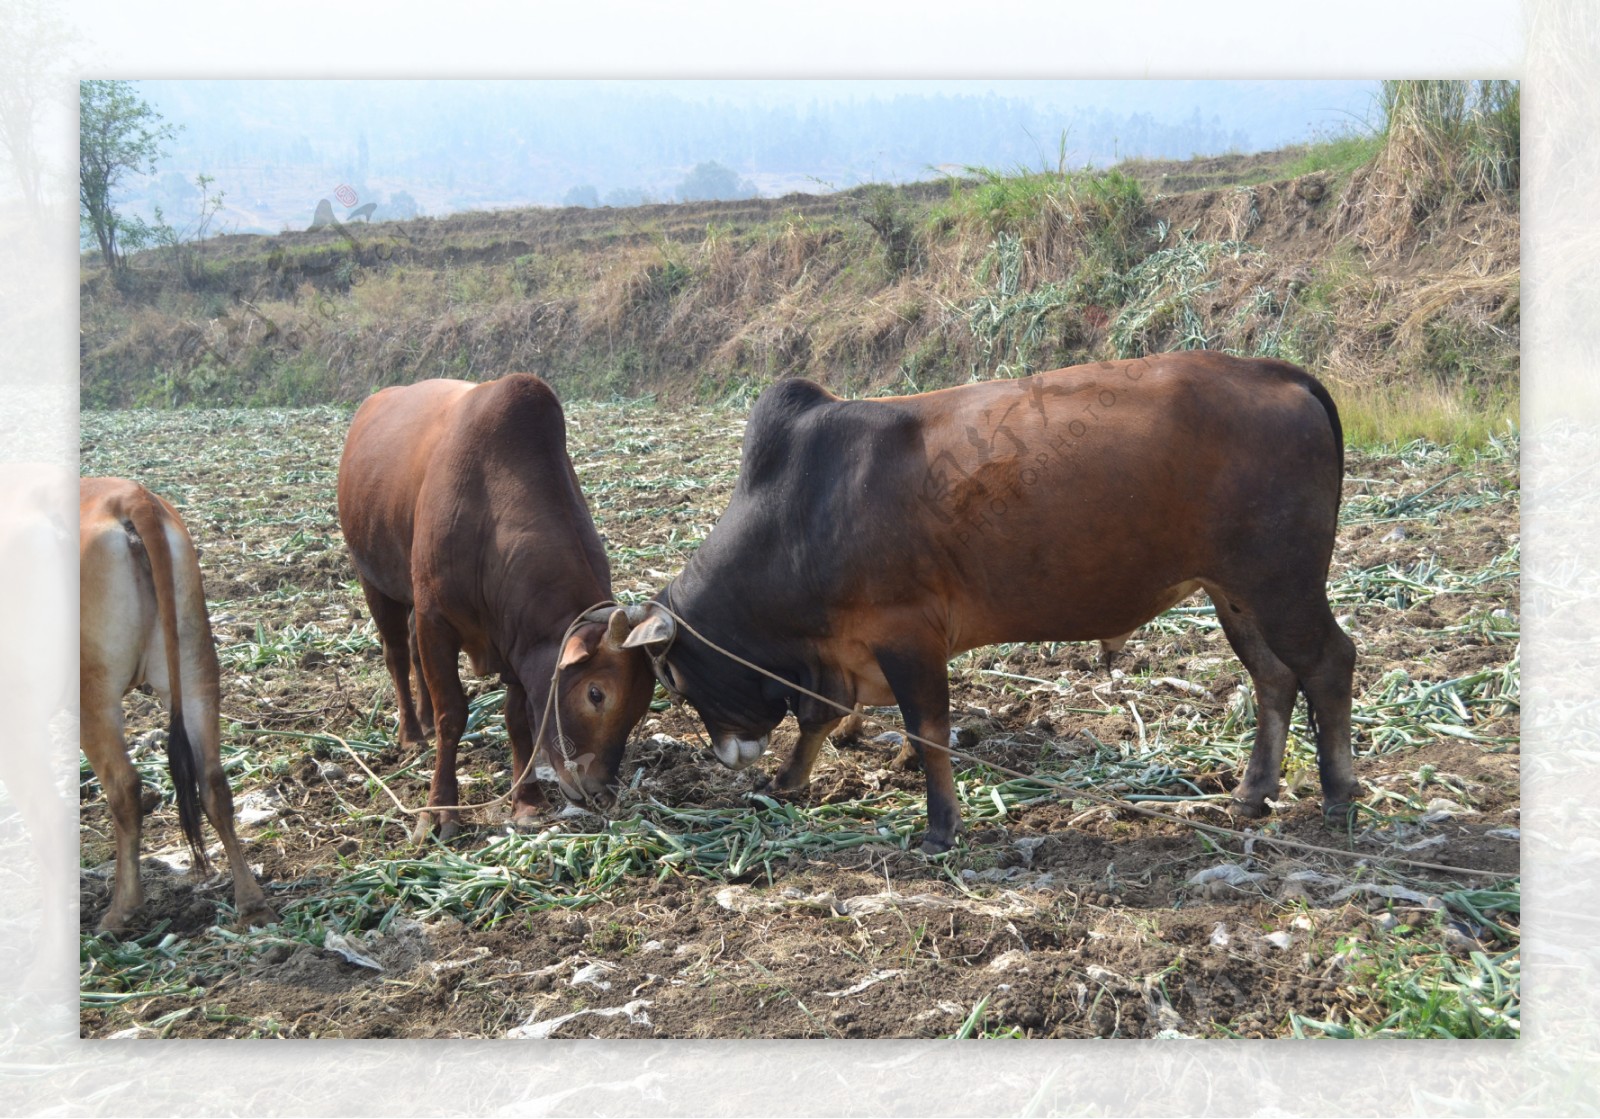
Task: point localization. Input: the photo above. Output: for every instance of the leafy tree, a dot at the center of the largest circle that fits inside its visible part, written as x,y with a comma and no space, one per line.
400,207
33,41
712,182
117,133
178,242
627,196
584,195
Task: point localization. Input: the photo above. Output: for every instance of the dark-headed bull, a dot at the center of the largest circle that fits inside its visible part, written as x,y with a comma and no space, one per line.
869,541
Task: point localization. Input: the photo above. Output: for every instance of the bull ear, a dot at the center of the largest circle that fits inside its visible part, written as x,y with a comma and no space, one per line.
655,628
579,648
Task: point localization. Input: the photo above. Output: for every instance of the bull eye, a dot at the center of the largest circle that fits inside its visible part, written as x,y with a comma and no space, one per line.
596,696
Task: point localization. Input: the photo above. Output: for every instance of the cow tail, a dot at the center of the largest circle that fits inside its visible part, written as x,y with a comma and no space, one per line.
1311,719
150,523
1316,389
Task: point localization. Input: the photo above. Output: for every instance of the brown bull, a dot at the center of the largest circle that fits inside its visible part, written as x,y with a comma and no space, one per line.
461,510
143,620
869,541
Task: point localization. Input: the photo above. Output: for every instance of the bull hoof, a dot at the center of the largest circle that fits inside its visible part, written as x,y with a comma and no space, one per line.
259,915
444,830
906,761
850,729
526,821
1339,817
1250,810
936,842
780,789
111,928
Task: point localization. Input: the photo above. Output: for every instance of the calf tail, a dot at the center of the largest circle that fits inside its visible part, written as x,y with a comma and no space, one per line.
150,525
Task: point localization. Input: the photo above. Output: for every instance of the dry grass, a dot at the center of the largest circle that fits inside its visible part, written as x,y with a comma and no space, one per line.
1446,145
870,291
1393,415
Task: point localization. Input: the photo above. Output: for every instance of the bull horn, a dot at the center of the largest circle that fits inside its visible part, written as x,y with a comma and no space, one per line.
618,626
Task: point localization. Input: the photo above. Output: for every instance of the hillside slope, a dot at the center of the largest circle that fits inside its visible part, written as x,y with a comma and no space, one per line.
876,289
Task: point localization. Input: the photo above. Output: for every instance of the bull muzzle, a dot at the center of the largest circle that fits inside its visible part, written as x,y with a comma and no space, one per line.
580,785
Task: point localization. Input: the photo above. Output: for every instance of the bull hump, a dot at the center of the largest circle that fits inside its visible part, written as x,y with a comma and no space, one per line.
517,409
785,400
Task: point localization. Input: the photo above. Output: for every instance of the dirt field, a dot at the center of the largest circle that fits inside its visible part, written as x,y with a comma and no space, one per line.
702,910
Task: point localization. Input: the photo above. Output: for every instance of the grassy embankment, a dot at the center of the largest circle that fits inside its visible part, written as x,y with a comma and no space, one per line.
1388,264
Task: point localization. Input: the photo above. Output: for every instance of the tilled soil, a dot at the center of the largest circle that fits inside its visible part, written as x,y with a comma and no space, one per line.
1060,918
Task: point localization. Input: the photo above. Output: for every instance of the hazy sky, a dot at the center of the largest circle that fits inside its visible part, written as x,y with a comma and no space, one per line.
276,147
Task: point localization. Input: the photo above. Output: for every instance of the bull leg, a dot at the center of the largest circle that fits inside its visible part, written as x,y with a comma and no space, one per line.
795,775
424,697
217,799
528,802
1110,649
1275,694
441,653
921,687
1323,659
389,616
103,742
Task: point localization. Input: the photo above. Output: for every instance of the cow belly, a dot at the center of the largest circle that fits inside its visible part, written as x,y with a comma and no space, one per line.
1058,614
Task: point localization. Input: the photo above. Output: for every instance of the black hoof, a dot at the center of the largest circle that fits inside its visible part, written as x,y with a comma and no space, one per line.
444,830
1339,817
1248,810
932,845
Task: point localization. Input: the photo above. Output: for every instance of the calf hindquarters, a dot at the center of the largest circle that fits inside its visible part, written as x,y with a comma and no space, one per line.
143,619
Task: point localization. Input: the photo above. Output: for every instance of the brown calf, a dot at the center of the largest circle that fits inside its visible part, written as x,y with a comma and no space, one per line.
143,621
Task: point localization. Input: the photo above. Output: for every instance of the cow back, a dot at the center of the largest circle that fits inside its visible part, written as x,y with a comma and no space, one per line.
386,457
503,539
1064,506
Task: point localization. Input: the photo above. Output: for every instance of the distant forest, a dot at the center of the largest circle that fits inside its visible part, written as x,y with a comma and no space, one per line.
448,146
